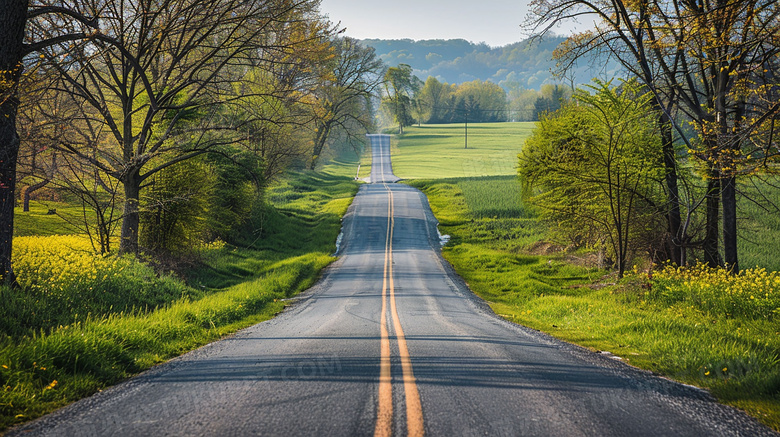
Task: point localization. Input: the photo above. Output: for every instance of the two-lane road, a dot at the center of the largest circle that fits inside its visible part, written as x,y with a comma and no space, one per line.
391,342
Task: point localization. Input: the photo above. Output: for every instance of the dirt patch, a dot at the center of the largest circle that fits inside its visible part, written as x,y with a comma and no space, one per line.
589,260
545,248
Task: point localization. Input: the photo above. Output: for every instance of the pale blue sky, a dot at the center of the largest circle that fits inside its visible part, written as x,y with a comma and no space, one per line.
496,22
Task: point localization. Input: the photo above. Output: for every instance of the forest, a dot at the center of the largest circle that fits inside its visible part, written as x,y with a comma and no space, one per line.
526,64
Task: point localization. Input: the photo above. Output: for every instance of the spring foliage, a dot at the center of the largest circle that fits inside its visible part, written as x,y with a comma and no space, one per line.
591,168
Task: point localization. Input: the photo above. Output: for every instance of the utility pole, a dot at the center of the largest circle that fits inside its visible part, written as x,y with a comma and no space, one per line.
467,133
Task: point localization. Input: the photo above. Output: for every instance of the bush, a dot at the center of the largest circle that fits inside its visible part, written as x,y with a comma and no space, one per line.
175,207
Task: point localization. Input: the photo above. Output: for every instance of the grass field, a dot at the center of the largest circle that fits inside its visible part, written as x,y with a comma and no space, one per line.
697,326
438,151
724,336
82,322
39,221
759,233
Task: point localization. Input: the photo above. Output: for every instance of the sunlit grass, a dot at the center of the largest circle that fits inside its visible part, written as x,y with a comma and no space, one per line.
48,218
81,322
439,151
697,326
759,226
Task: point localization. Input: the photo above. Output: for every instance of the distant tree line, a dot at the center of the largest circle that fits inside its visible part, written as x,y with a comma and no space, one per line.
526,64
408,100
476,101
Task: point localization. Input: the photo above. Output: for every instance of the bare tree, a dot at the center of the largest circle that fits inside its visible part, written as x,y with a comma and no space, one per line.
14,47
344,98
158,75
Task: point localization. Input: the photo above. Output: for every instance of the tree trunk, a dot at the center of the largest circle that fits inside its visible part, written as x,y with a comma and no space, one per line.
319,143
728,194
31,189
674,221
13,17
711,255
131,219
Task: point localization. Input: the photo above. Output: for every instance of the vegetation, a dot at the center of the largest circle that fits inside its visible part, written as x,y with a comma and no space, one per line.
476,102
711,67
346,96
398,99
594,168
525,65
168,121
439,151
80,321
697,325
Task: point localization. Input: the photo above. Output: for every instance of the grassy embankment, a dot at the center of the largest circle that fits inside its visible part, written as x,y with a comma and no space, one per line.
81,322
699,327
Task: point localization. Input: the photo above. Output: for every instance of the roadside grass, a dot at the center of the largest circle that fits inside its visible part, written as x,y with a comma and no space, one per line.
39,222
759,233
438,151
669,324
87,322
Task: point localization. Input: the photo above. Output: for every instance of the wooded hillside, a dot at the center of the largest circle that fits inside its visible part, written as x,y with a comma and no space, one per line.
526,64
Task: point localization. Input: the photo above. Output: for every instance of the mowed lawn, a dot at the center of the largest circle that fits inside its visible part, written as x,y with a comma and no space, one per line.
438,151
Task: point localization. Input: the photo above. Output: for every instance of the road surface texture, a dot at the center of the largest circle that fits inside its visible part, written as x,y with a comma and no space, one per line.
392,342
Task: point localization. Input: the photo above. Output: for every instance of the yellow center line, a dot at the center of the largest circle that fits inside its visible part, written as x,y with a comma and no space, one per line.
384,420
414,416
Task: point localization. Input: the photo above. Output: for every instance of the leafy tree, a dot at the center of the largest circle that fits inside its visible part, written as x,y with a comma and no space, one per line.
158,77
482,101
550,103
400,89
434,98
707,61
592,167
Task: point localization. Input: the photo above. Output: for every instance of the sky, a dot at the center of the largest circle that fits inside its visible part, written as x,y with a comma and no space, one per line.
495,22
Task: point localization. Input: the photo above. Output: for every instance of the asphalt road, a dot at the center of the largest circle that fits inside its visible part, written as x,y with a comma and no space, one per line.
391,342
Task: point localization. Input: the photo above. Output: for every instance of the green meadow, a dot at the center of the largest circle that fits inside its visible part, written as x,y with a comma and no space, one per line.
695,325
439,151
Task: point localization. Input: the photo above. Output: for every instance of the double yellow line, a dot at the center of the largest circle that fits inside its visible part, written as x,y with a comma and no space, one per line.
414,417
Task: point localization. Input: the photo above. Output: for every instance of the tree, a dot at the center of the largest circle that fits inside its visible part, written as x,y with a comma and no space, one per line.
344,98
400,89
483,101
14,15
549,103
434,98
704,59
592,168
158,77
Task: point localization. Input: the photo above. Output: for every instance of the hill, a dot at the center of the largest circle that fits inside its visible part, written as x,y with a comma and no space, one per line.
526,64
